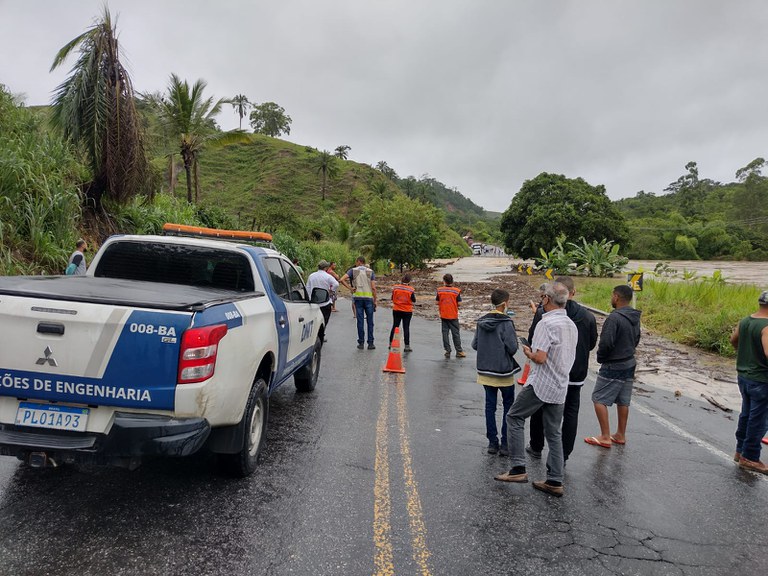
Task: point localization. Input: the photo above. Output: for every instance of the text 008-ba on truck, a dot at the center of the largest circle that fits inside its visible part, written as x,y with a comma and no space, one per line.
167,345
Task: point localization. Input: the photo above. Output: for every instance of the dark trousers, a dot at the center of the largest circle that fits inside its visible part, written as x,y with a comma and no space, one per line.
397,316
452,327
570,423
326,310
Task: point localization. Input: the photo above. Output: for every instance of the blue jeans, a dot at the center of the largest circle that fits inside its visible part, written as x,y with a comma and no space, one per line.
507,398
753,420
364,306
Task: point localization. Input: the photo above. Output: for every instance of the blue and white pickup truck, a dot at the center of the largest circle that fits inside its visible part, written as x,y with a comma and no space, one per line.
167,345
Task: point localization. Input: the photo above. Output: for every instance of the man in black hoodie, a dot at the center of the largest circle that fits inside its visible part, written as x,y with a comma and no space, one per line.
616,354
587,328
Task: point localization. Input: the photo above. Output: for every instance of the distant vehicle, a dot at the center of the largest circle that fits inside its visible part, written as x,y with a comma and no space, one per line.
477,249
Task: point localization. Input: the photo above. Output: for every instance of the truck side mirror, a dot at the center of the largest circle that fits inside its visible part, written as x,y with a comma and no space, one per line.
319,296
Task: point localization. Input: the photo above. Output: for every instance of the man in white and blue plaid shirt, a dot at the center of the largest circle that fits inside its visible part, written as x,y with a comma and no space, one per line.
552,352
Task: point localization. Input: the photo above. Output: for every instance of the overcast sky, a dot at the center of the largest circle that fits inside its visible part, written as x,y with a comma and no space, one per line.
479,94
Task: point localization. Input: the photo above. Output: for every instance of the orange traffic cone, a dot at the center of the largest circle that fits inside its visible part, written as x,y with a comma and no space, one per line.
394,361
524,378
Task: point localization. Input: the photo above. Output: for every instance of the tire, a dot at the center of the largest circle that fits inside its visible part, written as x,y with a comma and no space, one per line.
254,431
306,377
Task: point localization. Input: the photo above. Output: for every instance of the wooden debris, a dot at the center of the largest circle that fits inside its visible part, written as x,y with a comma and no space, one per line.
714,402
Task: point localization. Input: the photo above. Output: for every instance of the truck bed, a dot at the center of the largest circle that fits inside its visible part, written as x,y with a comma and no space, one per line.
119,292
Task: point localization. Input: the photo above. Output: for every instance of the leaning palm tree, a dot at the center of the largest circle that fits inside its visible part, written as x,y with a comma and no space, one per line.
95,108
241,104
190,117
325,162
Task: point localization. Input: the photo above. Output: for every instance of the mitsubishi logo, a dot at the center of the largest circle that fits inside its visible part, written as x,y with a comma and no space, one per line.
48,359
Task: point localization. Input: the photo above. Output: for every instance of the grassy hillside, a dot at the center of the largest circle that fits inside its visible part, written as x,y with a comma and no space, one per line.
275,183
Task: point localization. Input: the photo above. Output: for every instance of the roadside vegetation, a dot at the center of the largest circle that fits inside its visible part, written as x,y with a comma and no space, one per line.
698,312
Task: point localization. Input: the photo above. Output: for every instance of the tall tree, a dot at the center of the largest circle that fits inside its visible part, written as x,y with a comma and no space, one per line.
95,108
241,104
342,151
190,116
550,205
270,119
385,169
325,163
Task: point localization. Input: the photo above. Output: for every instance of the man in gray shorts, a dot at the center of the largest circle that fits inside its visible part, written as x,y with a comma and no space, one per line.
616,354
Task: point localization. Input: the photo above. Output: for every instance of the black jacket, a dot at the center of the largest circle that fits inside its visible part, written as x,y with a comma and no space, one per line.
496,343
619,338
587,328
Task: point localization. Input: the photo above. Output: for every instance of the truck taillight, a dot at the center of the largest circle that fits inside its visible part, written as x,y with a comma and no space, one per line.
199,347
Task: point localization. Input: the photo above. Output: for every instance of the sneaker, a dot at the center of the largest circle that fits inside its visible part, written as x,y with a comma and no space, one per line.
503,450
360,346
461,355
493,448
509,477
549,488
407,348
447,353
371,346
753,465
533,453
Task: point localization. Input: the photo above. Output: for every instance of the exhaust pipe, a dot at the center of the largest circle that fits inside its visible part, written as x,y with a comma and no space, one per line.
41,460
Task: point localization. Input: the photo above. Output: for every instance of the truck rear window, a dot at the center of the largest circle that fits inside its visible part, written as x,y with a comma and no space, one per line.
176,264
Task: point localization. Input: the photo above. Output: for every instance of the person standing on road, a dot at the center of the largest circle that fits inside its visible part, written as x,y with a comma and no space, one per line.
321,279
334,295
76,263
362,283
587,328
616,354
750,338
448,300
496,343
403,297
552,352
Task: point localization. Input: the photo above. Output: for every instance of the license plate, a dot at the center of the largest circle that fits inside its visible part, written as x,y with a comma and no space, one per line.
55,417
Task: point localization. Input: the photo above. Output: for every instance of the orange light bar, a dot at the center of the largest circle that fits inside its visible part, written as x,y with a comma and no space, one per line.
183,229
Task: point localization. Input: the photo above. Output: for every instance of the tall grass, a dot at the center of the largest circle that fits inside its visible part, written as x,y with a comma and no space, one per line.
699,313
40,195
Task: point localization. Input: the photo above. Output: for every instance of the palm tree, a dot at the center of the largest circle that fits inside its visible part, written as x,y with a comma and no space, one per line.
94,107
326,163
342,151
190,117
241,104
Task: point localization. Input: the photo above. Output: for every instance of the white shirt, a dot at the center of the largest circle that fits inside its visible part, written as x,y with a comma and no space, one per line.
557,335
321,279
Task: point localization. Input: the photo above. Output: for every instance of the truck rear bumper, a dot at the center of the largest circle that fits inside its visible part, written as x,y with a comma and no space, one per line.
131,437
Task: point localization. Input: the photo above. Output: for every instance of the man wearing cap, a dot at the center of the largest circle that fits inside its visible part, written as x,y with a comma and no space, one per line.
321,279
750,338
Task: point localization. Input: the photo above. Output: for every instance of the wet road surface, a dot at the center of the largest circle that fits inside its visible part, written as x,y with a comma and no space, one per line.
379,473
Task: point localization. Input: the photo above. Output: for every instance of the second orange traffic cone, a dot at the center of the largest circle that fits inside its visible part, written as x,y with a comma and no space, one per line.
395,360
524,377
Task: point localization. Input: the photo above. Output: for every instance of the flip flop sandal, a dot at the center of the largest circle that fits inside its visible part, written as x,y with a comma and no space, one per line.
595,442
619,442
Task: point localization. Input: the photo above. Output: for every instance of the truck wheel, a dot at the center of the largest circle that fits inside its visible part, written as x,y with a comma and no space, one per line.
254,425
306,377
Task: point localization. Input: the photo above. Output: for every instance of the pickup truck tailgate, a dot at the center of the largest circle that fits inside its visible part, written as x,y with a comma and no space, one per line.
89,353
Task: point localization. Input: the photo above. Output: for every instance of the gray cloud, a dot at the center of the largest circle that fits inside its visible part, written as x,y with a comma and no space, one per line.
481,95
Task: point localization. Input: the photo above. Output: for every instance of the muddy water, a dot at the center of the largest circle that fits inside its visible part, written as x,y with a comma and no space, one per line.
480,269
734,272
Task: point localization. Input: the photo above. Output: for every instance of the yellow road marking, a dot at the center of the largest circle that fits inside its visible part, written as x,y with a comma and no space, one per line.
418,528
382,528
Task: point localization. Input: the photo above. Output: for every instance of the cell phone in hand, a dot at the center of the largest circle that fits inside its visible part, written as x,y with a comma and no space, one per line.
524,342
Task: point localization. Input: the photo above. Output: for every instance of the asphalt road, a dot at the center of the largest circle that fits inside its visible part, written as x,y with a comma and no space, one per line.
379,473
